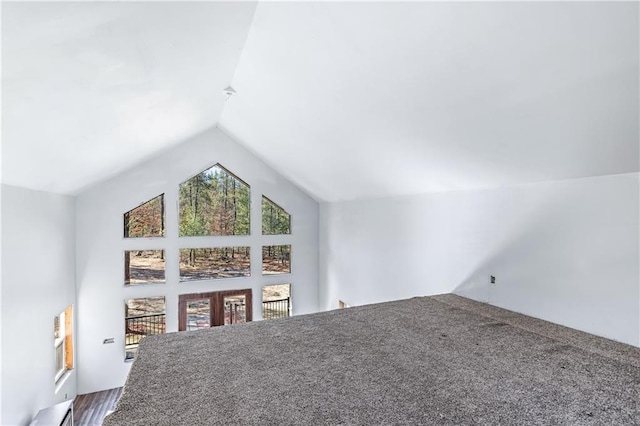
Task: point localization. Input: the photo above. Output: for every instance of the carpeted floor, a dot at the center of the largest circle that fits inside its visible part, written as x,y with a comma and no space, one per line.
430,360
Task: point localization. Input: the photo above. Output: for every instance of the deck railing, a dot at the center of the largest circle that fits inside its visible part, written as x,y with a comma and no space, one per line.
139,326
280,308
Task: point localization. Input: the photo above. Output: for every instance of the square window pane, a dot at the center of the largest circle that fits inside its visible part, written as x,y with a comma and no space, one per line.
276,260
144,267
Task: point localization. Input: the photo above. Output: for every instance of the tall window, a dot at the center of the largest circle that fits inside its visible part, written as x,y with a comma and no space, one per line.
211,204
146,220
63,342
276,301
275,219
214,202
143,317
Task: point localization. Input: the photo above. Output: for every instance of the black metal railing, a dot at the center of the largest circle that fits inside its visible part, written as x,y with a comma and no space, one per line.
139,326
280,308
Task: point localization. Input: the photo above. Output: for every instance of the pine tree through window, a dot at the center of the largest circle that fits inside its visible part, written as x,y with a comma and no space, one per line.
275,219
214,263
214,202
276,259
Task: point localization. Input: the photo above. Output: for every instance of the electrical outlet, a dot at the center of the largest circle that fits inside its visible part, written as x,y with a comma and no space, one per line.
492,279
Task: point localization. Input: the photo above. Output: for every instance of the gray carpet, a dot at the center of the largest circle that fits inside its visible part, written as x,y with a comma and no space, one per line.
428,360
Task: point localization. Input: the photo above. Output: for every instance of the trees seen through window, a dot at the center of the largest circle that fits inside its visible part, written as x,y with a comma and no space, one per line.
275,220
146,220
214,202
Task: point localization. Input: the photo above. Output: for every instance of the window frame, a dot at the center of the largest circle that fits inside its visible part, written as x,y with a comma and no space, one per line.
231,175
184,277
265,270
63,343
289,298
127,268
133,349
127,219
268,200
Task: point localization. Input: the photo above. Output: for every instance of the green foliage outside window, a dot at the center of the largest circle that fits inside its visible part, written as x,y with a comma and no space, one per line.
214,202
275,220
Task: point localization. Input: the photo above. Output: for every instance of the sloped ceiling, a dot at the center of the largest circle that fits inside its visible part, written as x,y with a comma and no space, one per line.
92,88
357,100
348,100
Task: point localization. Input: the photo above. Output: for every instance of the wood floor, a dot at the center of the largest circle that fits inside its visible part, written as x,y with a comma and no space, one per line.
90,409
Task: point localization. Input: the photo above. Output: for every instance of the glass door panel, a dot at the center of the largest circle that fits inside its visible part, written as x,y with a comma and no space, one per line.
235,309
200,310
198,314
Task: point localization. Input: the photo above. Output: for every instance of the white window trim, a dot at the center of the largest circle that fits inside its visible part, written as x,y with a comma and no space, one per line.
60,342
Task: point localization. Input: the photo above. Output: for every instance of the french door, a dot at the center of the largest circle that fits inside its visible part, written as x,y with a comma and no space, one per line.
202,310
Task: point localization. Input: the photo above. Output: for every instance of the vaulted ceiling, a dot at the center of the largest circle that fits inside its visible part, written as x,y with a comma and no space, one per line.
92,88
348,100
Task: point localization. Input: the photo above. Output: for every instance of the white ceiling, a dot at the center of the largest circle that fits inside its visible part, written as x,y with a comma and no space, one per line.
89,89
357,100
348,100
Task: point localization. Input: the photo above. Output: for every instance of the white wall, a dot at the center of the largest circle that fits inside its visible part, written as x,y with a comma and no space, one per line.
100,247
563,251
38,276
1,374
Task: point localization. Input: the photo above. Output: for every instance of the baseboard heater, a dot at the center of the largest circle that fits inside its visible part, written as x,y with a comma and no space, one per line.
56,415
